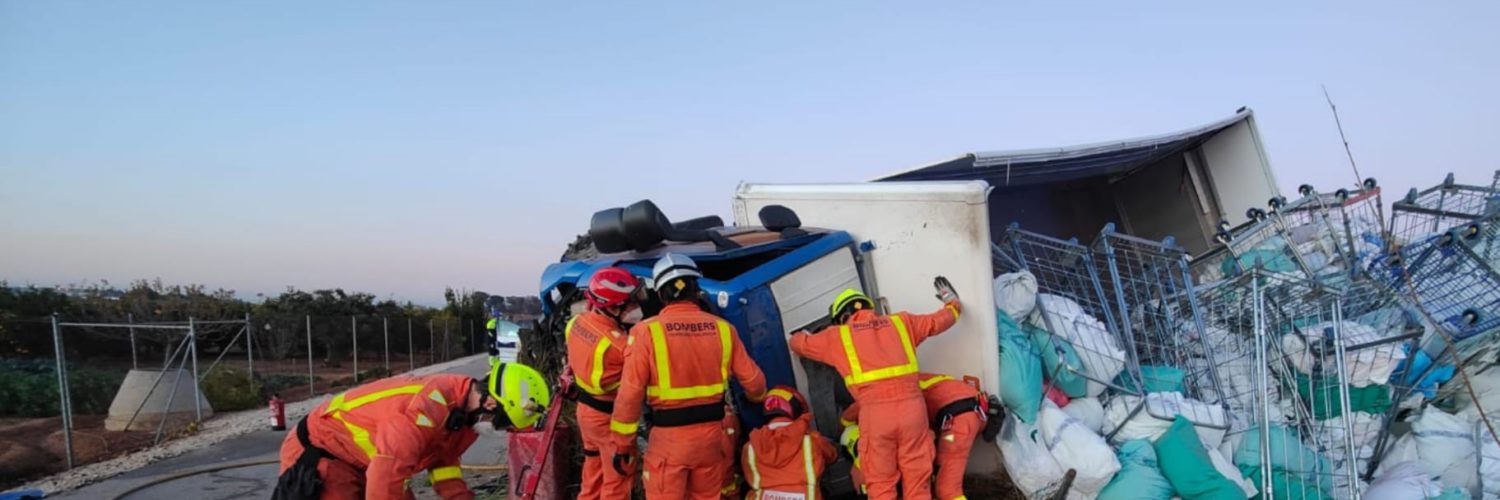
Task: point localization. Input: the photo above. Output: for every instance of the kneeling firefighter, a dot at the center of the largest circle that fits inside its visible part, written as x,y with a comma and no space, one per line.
785,457
368,441
679,362
959,413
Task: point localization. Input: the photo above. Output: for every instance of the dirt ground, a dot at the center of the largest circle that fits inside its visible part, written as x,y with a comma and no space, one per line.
34,447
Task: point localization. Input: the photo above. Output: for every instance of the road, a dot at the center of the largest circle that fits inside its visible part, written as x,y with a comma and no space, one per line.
255,481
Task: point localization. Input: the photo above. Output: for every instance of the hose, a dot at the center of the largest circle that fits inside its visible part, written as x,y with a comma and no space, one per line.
194,472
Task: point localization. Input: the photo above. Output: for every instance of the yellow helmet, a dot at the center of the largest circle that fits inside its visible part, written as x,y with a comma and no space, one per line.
522,393
850,440
849,296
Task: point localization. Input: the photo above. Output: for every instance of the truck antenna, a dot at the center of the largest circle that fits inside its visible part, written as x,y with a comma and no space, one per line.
1335,109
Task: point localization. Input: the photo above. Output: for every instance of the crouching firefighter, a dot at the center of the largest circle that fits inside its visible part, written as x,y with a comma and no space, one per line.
596,353
959,414
785,457
679,362
368,441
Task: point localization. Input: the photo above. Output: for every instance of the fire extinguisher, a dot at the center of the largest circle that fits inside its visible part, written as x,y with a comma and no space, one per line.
278,413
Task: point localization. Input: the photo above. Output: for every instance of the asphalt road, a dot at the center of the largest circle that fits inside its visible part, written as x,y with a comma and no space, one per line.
255,481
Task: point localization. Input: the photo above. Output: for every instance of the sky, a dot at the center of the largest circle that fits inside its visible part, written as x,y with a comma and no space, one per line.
402,147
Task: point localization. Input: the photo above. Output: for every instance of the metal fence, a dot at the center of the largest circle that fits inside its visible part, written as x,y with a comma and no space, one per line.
89,390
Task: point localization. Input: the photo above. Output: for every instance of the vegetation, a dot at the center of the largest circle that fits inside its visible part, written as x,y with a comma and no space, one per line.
99,357
28,388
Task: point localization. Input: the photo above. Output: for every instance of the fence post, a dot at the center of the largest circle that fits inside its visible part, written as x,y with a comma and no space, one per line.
311,390
131,319
354,334
445,339
385,325
411,350
431,343
63,402
249,349
197,393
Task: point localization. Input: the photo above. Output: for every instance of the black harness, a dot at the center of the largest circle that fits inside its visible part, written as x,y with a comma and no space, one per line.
678,417
956,408
301,481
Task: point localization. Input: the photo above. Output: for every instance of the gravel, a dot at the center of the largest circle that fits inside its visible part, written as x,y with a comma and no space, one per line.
218,428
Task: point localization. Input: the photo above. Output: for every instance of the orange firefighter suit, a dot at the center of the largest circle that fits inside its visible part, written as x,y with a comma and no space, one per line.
877,357
955,410
784,459
376,436
679,363
596,353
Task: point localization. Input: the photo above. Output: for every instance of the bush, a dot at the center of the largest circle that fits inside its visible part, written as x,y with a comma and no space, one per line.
28,388
277,383
228,389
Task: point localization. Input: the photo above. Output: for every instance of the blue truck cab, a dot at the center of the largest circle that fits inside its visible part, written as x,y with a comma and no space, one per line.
752,276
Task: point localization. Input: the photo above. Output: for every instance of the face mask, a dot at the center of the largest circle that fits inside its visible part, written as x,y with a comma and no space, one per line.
632,316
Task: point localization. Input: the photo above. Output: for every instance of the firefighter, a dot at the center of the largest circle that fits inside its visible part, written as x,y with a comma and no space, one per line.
877,356
679,362
849,441
491,333
959,413
785,457
368,441
596,353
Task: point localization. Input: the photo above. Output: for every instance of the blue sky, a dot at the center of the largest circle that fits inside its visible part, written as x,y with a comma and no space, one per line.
400,147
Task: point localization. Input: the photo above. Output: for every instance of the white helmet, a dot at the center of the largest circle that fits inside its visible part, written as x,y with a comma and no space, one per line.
671,268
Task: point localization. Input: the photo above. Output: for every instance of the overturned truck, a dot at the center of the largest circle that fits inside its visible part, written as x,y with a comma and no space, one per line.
789,252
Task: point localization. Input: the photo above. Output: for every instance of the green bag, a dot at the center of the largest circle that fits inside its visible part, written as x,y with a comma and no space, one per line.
1185,463
1139,477
1057,356
1020,370
1322,396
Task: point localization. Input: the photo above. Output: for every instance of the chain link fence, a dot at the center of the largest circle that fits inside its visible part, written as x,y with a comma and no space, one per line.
74,392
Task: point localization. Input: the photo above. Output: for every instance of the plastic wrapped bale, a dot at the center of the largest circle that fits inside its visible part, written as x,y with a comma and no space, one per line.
1027,461
1015,294
1445,446
1403,481
1126,422
1075,447
1088,411
1096,347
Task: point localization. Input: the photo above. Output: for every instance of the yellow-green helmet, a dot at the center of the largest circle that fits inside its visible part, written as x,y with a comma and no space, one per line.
522,393
847,297
850,440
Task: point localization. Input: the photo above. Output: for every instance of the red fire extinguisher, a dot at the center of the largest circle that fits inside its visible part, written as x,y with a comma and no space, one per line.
278,413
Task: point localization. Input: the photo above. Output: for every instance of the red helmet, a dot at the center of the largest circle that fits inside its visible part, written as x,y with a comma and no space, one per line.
784,401
610,287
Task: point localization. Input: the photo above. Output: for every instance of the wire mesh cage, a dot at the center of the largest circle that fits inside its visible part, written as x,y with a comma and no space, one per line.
1073,325
1422,213
1150,290
1283,369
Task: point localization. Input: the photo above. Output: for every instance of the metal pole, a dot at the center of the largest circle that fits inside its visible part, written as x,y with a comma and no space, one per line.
354,334
311,391
411,350
131,318
385,325
431,343
249,350
445,338
197,393
62,389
